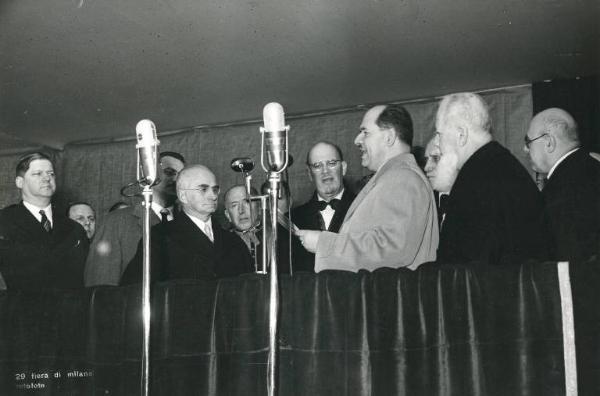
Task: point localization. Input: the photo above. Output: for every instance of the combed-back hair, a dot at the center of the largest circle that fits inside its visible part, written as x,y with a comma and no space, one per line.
172,154
397,117
26,160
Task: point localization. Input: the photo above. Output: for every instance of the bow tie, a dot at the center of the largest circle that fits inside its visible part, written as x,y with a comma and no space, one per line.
321,205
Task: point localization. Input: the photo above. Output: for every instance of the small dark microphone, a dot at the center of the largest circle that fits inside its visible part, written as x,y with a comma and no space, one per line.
147,146
243,164
275,135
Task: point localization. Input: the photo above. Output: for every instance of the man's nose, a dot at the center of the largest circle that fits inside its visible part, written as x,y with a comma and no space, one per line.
358,139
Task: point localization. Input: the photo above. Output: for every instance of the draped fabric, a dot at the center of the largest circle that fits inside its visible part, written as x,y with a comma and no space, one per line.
96,172
440,330
580,97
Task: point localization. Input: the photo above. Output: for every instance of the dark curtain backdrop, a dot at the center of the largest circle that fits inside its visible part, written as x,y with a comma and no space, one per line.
96,172
580,97
440,330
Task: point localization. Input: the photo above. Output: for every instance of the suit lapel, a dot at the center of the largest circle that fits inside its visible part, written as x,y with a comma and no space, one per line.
338,216
30,225
193,238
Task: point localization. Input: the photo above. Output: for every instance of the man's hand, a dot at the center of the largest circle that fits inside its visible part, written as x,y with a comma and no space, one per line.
309,239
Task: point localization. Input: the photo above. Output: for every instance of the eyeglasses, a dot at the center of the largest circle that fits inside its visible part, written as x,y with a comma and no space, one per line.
320,166
203,189
529,141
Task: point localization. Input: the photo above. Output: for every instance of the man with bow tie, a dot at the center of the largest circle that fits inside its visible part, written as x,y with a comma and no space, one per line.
327,208
39,246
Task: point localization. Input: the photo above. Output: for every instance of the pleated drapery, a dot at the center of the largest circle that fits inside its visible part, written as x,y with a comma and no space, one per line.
440,330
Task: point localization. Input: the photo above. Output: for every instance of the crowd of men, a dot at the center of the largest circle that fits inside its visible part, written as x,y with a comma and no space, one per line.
473,203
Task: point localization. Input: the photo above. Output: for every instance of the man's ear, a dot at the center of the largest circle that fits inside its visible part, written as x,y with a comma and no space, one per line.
344,167
550,144
227,216
463,136
390,136
310,177
19,181
181,196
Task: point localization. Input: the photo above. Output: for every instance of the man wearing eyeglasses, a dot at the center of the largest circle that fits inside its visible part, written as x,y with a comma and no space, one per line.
494,213
572,191
392,222
116,240
193,246
327,208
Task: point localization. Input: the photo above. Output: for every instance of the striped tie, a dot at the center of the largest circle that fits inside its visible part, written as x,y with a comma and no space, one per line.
45,222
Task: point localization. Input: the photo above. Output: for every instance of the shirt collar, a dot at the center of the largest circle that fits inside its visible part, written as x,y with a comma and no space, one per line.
199,223
35,211
156,208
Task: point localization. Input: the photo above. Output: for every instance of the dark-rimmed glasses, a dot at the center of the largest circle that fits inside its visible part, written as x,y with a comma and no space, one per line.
320,166
529,141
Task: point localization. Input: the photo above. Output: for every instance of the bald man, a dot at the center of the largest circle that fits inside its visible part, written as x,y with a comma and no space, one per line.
193,246
572,191
495,212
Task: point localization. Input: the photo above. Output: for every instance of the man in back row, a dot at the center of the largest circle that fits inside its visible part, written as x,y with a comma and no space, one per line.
392,221
116,241
572,191
327,208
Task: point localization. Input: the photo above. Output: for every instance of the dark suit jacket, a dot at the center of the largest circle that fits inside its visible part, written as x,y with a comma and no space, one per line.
180,250
308,217
572,201
495,212
33,259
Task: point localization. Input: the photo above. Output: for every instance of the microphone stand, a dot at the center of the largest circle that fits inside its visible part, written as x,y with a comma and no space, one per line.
147,193
146,308
274,182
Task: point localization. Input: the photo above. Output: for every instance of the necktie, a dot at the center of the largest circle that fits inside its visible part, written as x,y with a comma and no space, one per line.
443,204
45,222
164,215
321,205
208,232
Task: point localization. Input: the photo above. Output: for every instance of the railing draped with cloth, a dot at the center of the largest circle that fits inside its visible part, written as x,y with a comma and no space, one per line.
440,330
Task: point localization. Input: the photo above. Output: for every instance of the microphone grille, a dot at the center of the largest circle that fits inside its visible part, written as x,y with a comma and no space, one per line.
273,117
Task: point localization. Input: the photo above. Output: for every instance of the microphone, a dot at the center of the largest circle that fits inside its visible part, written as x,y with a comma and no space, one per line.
242,164
275,136
147,146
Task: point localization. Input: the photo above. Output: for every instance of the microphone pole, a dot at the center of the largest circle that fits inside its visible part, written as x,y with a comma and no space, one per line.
147,176
275,135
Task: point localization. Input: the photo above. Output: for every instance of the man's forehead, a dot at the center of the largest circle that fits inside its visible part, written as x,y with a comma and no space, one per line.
371,116
171,162
236,194
40,164
323,152
81,209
